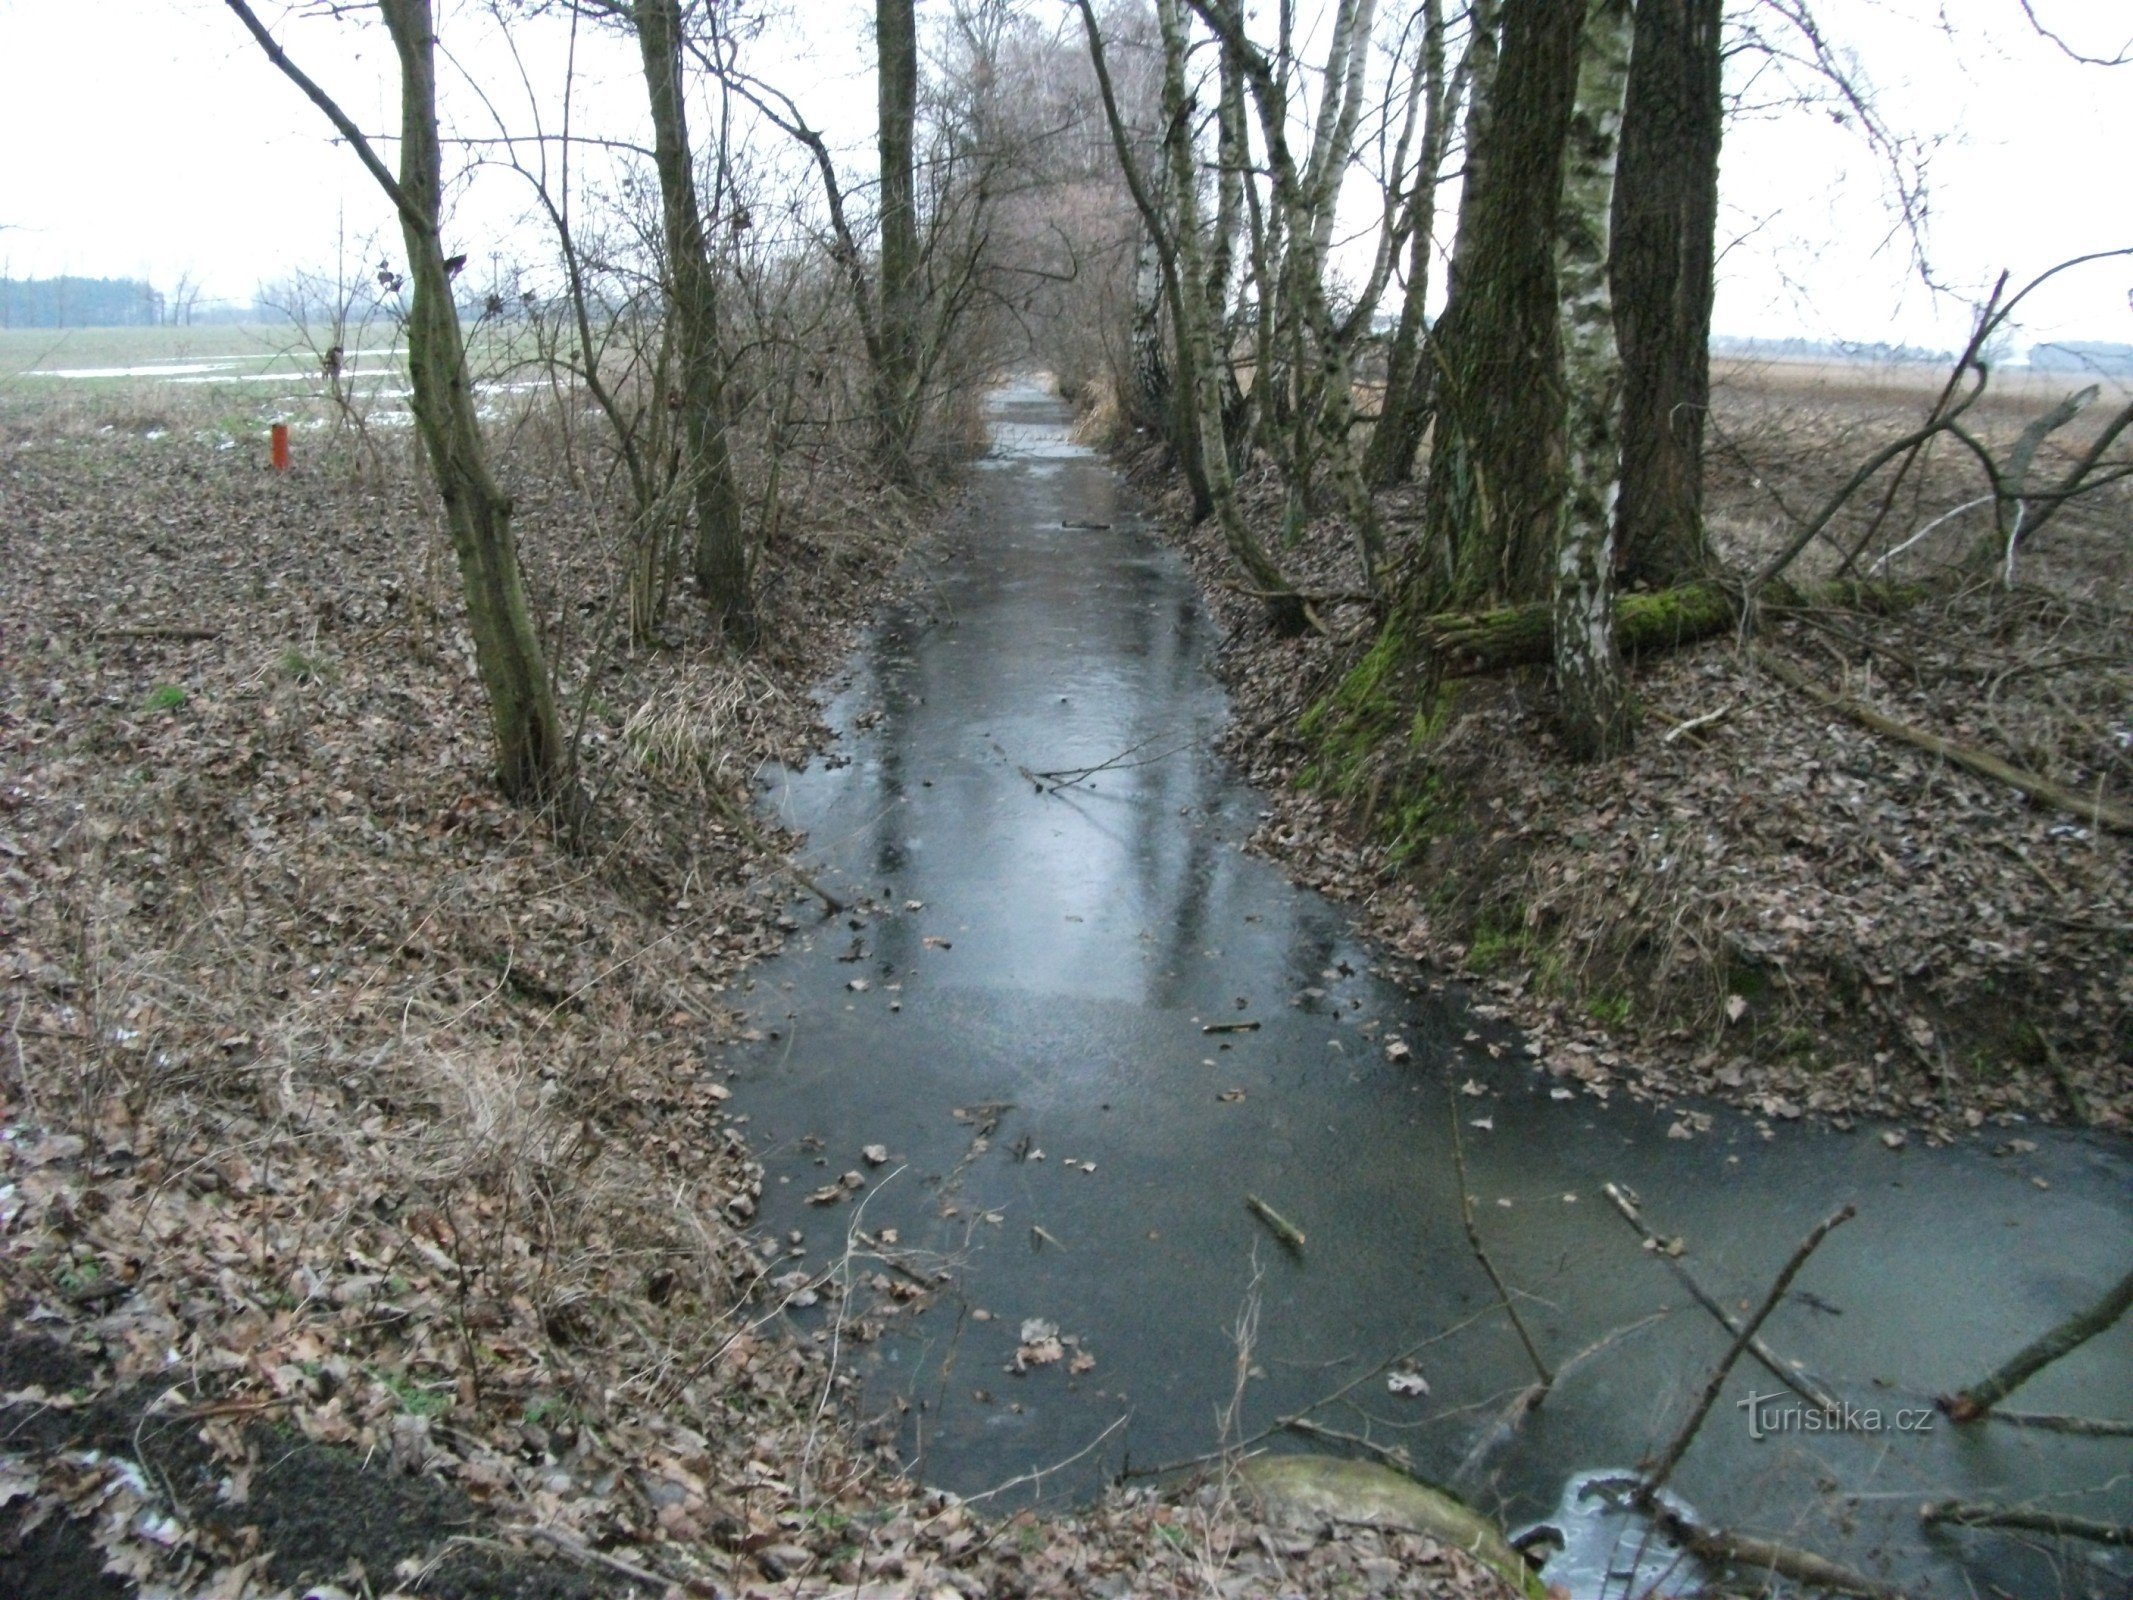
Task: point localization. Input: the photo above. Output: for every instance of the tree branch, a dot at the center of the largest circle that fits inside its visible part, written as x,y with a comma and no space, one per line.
421,220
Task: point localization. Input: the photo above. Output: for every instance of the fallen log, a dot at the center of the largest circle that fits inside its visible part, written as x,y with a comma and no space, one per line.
1468,644
1465,644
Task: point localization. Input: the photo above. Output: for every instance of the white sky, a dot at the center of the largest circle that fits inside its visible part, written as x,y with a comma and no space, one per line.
150,138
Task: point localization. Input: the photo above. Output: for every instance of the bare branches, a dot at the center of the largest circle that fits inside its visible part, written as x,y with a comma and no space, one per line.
2034,1357
2090,808
1803,45
1974,1514
2010,492
415,214
1784,1371
1655,1480
1546,1379
2071,52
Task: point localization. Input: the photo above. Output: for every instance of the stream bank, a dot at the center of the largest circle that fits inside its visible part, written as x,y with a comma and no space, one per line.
1013,1103
1763,903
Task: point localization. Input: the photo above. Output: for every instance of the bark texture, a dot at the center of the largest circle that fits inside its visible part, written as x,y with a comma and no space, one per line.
1195,335
1404,411
507,652
896,372
1594,709
1665,219
721,554
2032,1359
1496,466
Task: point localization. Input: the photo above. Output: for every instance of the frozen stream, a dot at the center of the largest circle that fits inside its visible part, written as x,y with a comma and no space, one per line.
1055,957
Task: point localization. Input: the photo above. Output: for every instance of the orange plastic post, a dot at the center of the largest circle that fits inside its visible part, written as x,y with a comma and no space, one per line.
281,447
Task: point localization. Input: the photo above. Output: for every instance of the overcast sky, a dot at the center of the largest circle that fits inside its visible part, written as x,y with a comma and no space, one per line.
150,138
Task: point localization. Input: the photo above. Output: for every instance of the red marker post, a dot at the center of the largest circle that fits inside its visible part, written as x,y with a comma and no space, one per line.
281,447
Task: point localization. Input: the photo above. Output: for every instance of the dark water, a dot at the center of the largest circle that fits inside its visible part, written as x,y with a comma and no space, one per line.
1060,961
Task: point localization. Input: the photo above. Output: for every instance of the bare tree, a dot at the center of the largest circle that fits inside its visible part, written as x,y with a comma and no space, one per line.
692,292
1403,412
1176,234
530,753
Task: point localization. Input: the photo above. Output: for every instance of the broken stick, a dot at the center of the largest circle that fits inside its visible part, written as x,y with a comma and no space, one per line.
2103,813
1798,1382
2033,1358
1656,1479
1277,1224
1974,1514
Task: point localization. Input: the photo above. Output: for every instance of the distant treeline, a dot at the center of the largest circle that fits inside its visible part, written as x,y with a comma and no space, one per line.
79,303
2082,356
1826,350
106,303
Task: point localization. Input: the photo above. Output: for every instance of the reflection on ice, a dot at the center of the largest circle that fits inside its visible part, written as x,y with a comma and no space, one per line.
1605,1547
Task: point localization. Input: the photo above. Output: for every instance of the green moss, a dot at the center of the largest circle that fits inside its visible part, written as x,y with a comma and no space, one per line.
1349,723
1369,746
1611,1010
164,697
1500,939
421,1401
299,666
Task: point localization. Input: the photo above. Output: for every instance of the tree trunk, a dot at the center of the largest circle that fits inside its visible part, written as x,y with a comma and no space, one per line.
1404,410
1149,399
507,651
531,759
1179,417
721,558
1484,50
1665,218
1196,337
1305,198
1495,484
896,375
1595,708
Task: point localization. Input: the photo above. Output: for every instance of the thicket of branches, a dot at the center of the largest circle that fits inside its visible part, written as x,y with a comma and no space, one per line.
1233,227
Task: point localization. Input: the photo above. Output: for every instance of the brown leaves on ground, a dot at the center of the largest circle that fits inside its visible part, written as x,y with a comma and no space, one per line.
346,1102
1764,902
337,1085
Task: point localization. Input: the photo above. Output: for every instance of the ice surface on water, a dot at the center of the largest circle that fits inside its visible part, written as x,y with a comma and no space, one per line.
1028,441
1610,1549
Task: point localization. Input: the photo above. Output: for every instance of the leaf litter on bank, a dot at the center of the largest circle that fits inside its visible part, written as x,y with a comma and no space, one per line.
348,1105
1780,908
